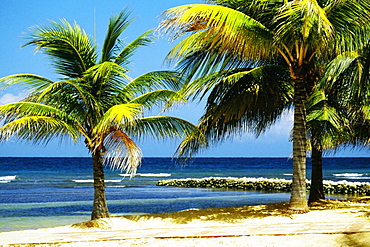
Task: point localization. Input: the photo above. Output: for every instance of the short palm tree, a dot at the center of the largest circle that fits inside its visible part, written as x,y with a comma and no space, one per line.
94,99
339,110
293,34
345,85
326,126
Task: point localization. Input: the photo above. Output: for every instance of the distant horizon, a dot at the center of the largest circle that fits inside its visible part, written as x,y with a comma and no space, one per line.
208,157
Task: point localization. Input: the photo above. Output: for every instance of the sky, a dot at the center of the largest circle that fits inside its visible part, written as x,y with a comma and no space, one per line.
19,15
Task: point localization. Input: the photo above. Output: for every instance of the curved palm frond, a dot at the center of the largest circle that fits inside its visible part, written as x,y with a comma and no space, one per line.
39,129
122,152
191,145
351,21
226,29
162,127
77,94
70,49
348,72
106,72
155,80
36,121
202,86
304,22
261,10
320,111
106,82
32,82
158,98
123,58
116,116
248,100
117,24
12,111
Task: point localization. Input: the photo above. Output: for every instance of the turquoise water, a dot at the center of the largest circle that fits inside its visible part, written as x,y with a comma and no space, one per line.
46,192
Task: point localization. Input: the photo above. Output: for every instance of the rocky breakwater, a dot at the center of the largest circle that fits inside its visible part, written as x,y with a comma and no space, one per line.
266,184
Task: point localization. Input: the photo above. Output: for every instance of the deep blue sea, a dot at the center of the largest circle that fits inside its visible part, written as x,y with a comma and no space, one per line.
46,192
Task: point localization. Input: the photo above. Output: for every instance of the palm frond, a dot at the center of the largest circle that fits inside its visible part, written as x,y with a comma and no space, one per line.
123,58
34,83
325,113
203,85
70,49
348,72
122,152
228,30
250,100
116,116
76,93
155,80
12,111
39,129
351,19
117,24
337,67
304,22
161,127
106,80
158,98
261,10
191,145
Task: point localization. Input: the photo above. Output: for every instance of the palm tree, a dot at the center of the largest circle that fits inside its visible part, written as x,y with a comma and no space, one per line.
337,111
291,33
345,85
326,126
94,99
339,115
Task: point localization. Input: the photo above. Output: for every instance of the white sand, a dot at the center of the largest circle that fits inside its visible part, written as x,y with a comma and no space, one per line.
334,223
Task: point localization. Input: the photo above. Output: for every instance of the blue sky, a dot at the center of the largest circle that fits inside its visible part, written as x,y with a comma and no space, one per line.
18,16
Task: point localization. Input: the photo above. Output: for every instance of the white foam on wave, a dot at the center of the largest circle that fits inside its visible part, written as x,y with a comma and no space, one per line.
348,175
92,181
7,179
148,175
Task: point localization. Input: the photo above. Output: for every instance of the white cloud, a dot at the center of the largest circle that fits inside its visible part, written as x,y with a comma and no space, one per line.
284,125
11,98
280,131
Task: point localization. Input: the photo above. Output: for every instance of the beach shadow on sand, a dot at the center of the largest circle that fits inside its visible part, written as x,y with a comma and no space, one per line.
236,214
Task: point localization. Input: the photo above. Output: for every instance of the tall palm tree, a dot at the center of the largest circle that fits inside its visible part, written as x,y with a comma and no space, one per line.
290,33
94,99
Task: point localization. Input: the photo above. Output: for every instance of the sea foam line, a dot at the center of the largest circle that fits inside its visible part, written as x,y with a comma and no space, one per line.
348,175
148,175
92,181
7,179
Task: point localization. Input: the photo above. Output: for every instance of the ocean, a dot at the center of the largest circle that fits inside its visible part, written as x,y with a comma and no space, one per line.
48,192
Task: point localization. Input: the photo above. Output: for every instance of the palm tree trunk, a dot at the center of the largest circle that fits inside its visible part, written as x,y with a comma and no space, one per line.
298,199
317,187
100,208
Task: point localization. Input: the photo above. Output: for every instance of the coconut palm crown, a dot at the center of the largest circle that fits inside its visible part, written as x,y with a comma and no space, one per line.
254,34
94,100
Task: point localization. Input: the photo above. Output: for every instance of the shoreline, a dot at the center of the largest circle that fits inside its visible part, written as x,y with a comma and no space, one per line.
337,222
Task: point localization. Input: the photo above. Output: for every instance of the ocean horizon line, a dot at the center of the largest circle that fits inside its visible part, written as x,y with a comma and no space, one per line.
207,157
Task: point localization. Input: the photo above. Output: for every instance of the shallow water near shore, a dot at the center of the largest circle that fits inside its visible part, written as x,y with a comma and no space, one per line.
47,192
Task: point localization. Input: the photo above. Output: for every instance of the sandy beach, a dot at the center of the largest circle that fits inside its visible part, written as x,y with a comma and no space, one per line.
343,222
